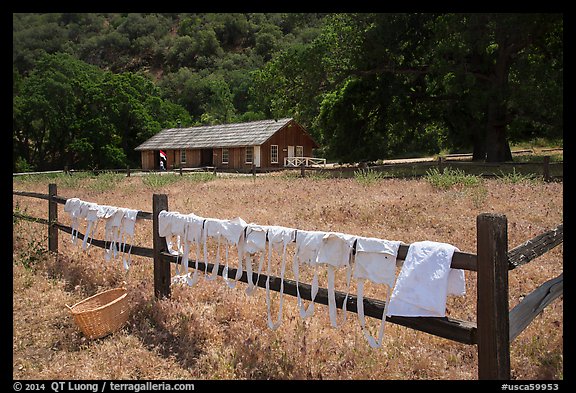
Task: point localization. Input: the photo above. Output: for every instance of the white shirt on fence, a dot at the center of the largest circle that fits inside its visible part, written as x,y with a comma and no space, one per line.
425,281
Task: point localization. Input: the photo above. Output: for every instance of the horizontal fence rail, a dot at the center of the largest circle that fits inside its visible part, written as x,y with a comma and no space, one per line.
533,304
546,169
535,247
496,325
306,161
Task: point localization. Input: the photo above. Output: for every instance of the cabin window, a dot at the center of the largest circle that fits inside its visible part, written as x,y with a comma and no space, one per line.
274,154
249,154
299,151
225,156
183,156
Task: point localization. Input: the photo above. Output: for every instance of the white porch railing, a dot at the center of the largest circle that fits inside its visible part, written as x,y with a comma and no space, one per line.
307,161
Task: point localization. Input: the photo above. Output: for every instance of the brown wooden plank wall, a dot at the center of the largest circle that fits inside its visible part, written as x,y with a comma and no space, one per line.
289,135
147,159
193,158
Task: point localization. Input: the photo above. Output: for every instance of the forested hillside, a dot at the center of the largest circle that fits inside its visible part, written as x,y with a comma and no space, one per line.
88,88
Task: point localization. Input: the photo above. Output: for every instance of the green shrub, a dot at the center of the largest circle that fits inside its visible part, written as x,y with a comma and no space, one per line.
368,176
200,177
517,177
106,181
451,178
21,165
156,180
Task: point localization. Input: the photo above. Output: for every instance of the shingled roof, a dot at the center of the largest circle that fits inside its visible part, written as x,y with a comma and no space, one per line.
252,133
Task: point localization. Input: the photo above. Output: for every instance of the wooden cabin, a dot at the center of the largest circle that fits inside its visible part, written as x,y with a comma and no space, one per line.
240,146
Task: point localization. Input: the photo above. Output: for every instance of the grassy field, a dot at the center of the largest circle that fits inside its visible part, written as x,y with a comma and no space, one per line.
213,332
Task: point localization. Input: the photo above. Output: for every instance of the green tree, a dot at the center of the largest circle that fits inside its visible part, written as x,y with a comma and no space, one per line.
47,109
497,66
70,113
428,81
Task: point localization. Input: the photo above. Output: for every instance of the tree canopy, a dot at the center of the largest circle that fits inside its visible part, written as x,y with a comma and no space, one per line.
375,84
88,88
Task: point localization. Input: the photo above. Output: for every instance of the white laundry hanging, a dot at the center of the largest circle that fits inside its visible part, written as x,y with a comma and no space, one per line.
92,220
180,231
335,253
113,216
192,234
254,242
177,237
425,281
375,261
171,227
119,227
308,245
165,226
127,228
232,233
278,240
72,207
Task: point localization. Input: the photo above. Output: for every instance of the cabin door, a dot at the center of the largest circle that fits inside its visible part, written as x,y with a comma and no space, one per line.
206,157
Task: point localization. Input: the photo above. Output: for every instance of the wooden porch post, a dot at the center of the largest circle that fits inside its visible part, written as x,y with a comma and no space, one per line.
161,267
492,297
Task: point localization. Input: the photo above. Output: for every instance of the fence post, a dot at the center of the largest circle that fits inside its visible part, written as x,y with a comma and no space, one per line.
127,170
546,169
161,267
52,218
302,169
441,164
492,297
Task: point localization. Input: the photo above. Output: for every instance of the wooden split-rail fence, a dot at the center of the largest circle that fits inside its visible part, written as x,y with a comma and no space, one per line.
495,328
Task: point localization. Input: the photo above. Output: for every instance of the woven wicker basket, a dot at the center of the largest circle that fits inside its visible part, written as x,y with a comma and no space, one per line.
101,314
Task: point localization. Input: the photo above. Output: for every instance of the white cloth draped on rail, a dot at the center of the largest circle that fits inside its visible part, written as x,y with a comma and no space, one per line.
194,233
425,281
182,231
119,227
308,245
254,243
92,219
72,207
172,226
375,261
231,233
335,253
278,240
420,289
78,209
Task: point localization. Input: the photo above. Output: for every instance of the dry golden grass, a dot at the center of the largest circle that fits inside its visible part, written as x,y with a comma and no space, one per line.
211,331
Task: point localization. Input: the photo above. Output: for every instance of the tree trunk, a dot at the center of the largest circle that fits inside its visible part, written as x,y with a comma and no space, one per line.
497,146
479,142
